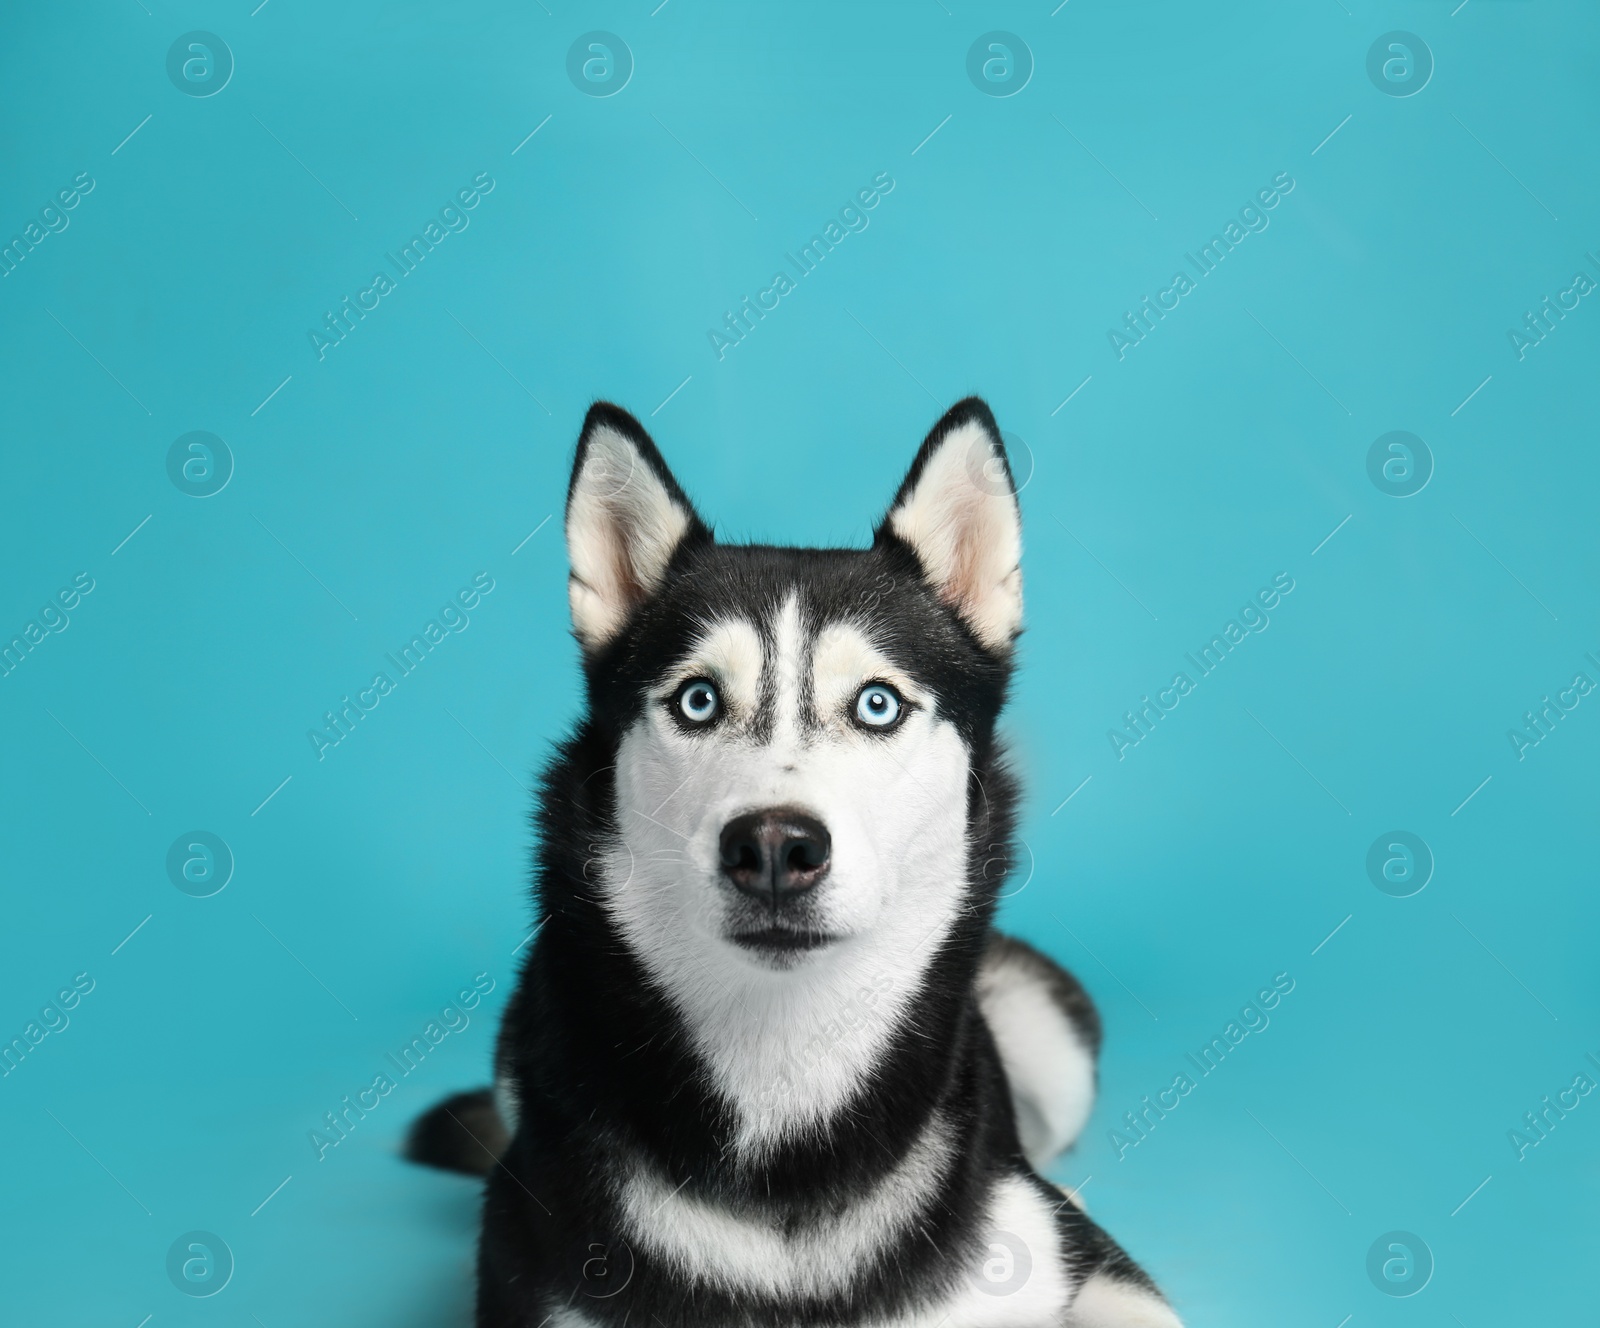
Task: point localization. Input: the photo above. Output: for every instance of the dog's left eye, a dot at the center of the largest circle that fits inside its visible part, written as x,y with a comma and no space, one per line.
878,706
698,701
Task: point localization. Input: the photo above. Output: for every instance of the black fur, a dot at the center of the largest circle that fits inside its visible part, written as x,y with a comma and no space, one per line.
600,1061
462,1133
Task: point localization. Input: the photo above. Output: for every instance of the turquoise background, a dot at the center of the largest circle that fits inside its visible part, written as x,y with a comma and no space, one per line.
1166,487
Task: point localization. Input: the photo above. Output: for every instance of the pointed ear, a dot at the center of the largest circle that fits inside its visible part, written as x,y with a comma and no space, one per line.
957,511
626,517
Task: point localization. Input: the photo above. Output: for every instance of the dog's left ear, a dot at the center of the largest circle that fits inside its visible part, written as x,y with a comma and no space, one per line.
957,510
626,518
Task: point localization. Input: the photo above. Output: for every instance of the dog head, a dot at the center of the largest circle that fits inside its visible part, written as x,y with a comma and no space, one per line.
795,727
799,735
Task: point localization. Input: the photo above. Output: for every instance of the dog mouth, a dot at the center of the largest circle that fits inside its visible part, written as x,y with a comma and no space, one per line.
781,940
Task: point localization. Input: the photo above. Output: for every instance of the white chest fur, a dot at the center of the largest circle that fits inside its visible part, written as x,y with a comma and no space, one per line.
1012,1274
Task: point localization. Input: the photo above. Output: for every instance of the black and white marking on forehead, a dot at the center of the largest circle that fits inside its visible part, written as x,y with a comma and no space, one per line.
791,635
938,594
797,668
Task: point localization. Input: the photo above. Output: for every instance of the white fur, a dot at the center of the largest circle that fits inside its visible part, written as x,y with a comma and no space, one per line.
506,1104
1001,1290
961,518
707,1242
842,659
788,1046
622,529
1015,1275
1108,1302
729,652
1049,1069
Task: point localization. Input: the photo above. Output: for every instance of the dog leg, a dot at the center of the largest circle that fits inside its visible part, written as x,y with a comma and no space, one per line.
1048,1034
1108,1301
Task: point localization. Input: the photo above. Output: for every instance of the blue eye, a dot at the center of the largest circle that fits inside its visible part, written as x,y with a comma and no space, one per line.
878,706
698,701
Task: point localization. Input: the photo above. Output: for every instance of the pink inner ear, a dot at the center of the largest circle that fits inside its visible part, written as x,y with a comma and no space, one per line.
641,553
966,531
623,525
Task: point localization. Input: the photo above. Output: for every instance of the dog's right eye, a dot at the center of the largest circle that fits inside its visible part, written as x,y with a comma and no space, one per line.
698,702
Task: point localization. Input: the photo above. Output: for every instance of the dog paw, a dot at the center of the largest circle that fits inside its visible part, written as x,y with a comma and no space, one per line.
1109,1302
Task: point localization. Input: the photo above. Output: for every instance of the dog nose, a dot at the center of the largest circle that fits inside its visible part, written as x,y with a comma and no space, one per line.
775,854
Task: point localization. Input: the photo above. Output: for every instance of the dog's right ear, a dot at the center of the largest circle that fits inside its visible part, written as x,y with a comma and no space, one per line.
626,517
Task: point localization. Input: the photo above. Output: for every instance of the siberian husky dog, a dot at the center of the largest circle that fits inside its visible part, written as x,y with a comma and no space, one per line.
768,1063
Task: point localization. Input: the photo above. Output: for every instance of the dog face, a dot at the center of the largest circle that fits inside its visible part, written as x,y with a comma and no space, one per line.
795,729
792,774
